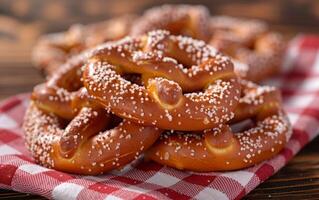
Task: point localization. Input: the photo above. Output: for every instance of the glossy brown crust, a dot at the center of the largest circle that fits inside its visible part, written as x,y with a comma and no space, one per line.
220,149
185,20
53,50
63,94
88,144
84,146
259,52
256,50
167,99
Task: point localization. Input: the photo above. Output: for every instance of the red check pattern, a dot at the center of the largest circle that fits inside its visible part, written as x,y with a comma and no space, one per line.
147,180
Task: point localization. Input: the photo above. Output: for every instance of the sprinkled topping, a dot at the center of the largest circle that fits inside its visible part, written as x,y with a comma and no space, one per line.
221,149
254,94
104,151
162,96
256,51
193,20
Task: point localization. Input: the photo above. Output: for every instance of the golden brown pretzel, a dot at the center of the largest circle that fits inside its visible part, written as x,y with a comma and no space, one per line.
168,98
178,19
220,149
63,94
54,49
84,146
258,51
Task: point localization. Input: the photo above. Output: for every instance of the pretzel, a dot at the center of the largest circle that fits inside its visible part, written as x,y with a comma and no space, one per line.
83,147
53,50
178,19
220,149
168,98
258,51
67,130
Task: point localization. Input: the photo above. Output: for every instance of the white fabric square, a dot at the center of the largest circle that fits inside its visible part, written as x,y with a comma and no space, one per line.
136,189
94,178
300,101
291,55
111,197
68,191
33,169
210,193
242,177
6,122
293,117
7,150
316,64
308,84
163,179
25,103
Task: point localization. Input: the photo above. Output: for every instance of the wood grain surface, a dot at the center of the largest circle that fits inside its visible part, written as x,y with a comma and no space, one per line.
23,21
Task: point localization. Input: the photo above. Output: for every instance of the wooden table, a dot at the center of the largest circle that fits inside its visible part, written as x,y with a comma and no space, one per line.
298,180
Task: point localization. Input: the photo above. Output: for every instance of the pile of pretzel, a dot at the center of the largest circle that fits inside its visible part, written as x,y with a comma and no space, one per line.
175,99
256,50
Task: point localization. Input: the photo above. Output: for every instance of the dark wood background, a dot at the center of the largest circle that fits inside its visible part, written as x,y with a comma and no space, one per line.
23,21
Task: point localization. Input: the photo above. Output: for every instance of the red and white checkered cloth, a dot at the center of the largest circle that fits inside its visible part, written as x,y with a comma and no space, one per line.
147,180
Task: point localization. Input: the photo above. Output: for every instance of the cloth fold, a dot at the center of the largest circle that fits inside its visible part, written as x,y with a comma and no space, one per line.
299,83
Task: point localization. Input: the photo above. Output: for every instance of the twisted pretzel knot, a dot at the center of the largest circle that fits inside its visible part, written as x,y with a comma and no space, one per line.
55,49
259,50
177,19
68,130
221,149
173,68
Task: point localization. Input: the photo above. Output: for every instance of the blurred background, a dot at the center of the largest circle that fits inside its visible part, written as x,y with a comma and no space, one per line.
23,21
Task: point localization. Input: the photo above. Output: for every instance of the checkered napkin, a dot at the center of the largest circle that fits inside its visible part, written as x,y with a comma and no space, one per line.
147,180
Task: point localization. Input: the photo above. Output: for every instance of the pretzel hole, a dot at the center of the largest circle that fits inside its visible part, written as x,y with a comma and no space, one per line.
114,122
63,123
183,58
242,125
133,78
